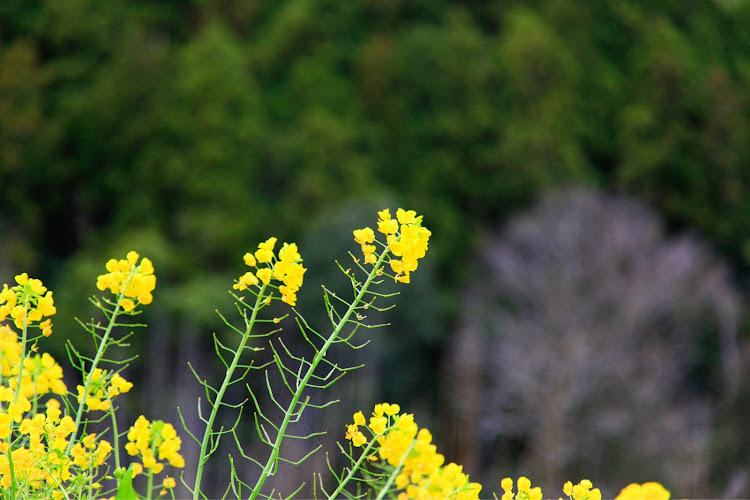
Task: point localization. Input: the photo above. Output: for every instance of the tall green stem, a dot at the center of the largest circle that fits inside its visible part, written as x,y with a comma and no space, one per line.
99,354
274,456
202,459
18,392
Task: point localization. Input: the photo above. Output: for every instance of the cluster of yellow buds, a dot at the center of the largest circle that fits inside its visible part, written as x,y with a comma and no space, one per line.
146,438
379,422
41,375
137,281
405,238
582,491
401,442
287,269
525,491
90,453
42,458
102,389
37,375
26,303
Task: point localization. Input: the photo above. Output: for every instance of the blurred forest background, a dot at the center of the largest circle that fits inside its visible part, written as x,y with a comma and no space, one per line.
584,168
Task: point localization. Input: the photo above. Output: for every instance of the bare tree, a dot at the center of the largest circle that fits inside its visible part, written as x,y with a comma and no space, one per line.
591,329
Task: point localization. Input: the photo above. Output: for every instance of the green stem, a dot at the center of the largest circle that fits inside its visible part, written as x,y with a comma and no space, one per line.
24,333
274,456
115,435
99,354
202,458
354,468
150,488
18,392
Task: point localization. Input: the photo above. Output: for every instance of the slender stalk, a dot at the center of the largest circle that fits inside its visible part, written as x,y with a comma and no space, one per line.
24,334
274,456
202,459
115,437
150,487
99,354
24,330
354,468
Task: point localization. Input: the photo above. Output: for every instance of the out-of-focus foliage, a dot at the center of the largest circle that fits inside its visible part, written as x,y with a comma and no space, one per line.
189,128
212,117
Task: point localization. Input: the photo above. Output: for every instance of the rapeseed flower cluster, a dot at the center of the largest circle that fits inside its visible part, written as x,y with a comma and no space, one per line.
27,303
153,442
135,281
38,374
525,491
645,491
405,239
22,380
102,389
286,268
41,459
90,452
582,491
400,443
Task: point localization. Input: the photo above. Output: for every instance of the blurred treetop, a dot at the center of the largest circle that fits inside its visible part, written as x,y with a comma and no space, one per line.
196,126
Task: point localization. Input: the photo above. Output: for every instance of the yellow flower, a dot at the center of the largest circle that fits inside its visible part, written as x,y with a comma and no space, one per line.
407,216
359,439
364,236
388,226
359,418
378,424
645,491
507,485
568,488
264,275
264,253
582,490
250,261
355,435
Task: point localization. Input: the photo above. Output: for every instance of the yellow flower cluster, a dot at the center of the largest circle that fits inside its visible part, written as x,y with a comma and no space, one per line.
38,375
41,460
146,438
26,303
41,374
525,491
400,442
582,491
405,238
102,389
379,422
137,281
645,491
90,453
287,269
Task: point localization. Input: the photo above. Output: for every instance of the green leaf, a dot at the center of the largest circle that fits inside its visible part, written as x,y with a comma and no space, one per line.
125,491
